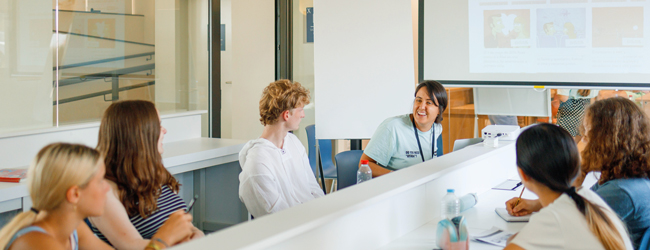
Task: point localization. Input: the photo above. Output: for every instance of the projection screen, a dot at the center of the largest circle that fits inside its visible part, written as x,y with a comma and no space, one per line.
536,42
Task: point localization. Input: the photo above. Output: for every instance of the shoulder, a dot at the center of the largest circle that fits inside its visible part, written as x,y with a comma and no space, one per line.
631,187
395,123
35,240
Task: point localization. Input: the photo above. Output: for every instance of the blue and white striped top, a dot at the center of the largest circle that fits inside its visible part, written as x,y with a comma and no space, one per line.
168,203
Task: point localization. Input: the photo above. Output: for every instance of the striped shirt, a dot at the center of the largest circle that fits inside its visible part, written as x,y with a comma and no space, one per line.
168,203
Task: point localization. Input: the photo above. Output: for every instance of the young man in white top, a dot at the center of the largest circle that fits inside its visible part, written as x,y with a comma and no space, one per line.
275,169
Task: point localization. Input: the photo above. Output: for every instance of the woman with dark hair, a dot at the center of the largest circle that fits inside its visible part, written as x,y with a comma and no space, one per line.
620,150
144,193
406,140
548,162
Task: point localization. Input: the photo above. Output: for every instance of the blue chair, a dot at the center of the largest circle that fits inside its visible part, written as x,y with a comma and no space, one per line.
324,153
347,164
439,144
645,241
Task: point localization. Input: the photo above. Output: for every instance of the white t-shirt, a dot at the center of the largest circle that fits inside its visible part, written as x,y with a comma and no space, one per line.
274,179
561,226
394,145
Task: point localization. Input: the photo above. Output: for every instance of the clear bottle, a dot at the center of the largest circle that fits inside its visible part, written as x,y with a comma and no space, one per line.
450,205
364,173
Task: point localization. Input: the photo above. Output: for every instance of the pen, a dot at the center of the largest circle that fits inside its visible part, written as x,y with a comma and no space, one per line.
522,192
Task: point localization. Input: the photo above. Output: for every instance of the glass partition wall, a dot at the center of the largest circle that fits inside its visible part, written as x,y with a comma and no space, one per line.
66,61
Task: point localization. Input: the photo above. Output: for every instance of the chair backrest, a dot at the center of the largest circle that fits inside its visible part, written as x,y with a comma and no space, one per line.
462,143
439,144
311,152
347,164
325,153
645,241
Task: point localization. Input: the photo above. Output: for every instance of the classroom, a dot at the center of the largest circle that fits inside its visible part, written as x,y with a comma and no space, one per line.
324,124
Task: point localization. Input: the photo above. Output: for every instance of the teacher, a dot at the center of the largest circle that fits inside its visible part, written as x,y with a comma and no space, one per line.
406,140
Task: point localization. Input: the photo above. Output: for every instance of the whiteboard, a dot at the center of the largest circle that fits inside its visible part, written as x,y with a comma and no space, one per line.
512,101
363,65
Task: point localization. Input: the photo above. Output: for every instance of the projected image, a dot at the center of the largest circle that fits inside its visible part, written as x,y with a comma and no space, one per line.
506,28
560,28
617,27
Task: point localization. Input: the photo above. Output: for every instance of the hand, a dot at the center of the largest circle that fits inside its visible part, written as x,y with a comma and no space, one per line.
196,233
176,229
525,206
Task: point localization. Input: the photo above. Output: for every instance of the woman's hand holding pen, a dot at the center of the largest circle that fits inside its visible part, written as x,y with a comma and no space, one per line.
525,206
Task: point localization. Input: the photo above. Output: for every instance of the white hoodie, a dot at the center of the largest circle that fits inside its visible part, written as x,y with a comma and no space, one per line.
274,179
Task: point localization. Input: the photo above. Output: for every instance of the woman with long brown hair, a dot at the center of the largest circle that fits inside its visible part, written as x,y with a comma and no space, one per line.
66,184
547,162
144,193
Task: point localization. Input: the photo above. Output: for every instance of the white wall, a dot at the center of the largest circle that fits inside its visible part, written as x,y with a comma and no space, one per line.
26,65
253,63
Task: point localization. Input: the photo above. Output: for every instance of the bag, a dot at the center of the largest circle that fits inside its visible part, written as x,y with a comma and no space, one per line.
452,234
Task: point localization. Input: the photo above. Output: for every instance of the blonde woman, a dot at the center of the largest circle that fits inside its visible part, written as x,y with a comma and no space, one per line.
66,184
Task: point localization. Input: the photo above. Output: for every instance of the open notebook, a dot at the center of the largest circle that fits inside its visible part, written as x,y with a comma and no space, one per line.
503,213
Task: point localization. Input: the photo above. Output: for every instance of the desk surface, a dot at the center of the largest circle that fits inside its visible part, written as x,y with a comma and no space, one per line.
480,218
176,154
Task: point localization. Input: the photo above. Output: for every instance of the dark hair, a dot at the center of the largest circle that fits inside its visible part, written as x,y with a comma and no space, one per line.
618,141
434,88
548,154
128,137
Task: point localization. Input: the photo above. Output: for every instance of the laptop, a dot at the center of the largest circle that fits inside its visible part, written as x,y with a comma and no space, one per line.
462,143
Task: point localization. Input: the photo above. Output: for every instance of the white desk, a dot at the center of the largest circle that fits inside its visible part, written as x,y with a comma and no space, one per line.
480,218
184,156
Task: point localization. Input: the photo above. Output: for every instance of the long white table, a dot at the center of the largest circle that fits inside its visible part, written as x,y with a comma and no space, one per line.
480,218
188,160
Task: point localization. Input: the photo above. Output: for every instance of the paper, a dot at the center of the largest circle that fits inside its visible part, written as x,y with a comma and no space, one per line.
494,236
508,185
503,213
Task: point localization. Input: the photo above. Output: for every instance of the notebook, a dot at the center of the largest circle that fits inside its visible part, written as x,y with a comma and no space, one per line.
13,174
503,213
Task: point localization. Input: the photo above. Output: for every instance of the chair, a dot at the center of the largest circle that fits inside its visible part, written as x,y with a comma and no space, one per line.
324,153
645,241
439,143
347,164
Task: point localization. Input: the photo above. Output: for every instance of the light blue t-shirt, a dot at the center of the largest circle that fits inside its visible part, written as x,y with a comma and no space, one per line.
573,93
629,199
394,145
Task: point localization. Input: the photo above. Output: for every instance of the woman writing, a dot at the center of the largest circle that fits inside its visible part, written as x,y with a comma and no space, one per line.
66,184
547,162
620,150
143,193
406,140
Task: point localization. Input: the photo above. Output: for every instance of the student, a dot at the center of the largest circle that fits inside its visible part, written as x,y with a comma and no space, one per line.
275,169
395,144
66,184
620,150
569,218
573,103
143,193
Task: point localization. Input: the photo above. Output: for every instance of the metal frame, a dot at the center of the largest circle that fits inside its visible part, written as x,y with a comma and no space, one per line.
283,39
214,45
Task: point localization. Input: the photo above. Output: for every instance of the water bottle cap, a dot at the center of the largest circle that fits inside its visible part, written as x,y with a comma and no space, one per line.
364,161
450,190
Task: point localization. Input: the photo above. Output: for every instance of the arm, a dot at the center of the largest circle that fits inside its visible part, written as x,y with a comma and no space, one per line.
116,226
561,98
259,190
524,207
314,187
376,169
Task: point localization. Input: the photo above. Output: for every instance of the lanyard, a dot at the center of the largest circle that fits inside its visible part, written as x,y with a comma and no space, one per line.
433,141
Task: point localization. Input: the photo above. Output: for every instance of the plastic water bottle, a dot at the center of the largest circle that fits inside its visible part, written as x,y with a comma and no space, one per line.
364,173
450,207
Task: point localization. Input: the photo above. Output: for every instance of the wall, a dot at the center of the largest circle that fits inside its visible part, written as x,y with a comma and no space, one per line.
25,65
253,67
